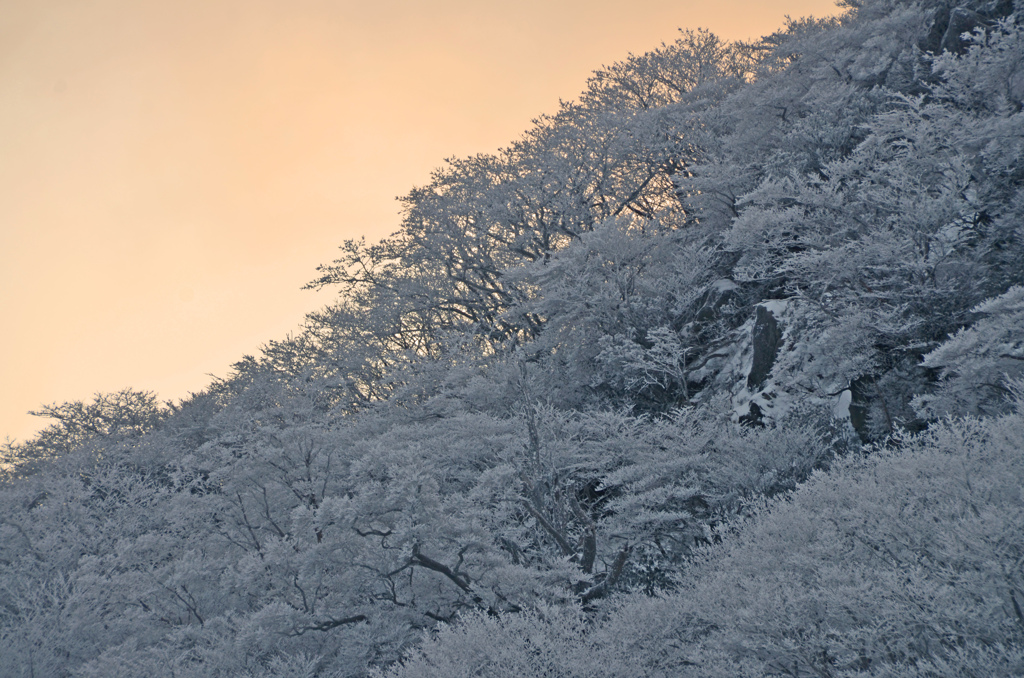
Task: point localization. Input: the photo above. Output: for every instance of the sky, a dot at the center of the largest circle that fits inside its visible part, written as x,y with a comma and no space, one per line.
173,171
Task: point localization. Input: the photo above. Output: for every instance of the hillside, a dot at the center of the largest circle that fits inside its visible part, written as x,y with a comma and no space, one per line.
718,370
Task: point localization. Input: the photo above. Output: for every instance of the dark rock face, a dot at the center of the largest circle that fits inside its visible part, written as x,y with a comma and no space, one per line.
714,298
961,20
754,418
766,338
995,9
951,21
861,391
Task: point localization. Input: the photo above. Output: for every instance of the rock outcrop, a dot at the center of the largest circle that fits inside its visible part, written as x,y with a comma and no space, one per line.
765,338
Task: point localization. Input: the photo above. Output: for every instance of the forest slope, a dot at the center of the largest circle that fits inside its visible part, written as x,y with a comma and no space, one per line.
715,369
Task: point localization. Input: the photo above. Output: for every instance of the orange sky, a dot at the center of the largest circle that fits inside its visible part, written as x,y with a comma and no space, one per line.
171,172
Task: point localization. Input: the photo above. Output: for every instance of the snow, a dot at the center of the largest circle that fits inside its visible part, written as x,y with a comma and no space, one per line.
842,408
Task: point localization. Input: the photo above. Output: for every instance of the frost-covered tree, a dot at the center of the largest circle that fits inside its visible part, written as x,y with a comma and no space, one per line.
907,563
123,414
587,412
978,365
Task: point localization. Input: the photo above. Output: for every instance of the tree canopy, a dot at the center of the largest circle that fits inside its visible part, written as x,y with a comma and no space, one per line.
715,371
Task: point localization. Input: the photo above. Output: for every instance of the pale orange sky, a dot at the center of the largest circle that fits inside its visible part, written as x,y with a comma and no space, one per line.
171,172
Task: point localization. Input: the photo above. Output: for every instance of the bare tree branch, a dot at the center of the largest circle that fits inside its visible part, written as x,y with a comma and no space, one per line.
329,624
609,582
562,542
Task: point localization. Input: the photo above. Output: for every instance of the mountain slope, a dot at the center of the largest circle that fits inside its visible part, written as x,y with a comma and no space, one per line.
580,407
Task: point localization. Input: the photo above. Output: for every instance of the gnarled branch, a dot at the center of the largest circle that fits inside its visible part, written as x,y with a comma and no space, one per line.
562,542
599,590
329,624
